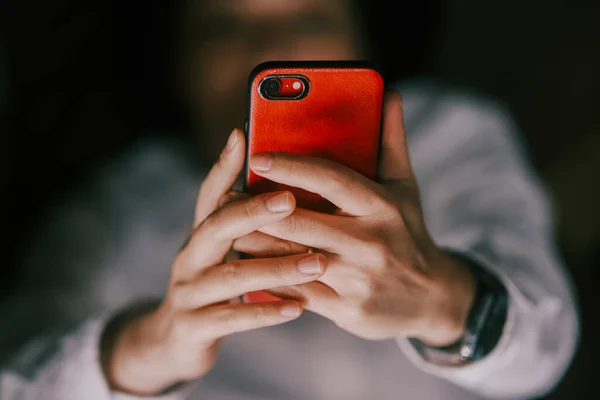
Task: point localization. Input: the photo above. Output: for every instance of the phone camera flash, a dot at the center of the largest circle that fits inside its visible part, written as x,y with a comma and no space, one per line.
296,85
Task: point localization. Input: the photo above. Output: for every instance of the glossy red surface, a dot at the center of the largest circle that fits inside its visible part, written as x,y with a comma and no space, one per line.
339,120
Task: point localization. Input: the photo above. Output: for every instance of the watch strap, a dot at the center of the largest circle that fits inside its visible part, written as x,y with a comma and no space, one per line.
484,325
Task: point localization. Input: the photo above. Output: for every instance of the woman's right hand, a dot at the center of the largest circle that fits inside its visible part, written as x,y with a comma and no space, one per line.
179,340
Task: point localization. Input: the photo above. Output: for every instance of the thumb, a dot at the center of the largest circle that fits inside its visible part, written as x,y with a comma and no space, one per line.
221,177
394,163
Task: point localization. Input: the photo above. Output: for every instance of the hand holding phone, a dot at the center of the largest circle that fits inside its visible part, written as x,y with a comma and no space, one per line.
385,277
151,349
327,109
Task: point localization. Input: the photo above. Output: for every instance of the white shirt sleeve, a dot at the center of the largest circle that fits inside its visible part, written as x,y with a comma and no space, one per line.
481,199
66,367
88,261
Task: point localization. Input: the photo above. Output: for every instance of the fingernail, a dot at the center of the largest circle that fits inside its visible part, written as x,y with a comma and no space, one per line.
231,141
290,310
279,203
260,162
310,265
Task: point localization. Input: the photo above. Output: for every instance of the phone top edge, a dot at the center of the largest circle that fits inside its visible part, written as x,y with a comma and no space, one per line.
313,64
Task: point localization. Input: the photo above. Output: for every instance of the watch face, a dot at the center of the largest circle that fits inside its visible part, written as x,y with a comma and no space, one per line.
486,320
493,327
476,323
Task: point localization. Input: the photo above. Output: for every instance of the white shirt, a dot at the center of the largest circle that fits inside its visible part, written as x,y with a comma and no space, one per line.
113,241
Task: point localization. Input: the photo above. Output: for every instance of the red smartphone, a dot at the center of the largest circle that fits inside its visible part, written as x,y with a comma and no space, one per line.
328,109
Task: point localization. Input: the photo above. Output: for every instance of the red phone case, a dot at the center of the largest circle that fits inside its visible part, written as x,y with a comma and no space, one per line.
339,119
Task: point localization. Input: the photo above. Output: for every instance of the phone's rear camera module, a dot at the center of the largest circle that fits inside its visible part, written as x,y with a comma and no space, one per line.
284,87
271,87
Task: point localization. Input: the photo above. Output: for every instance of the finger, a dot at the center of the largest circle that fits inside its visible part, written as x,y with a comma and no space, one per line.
218,321
349,280
232,196
347,189
394,163
230,280
242,217
258,244
314,296
221,177
214,237
327,232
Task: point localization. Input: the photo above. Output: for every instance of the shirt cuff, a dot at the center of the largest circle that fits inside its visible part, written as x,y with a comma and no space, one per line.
80,372
472,244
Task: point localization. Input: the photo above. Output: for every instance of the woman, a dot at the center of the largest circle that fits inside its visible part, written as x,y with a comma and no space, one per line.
399,263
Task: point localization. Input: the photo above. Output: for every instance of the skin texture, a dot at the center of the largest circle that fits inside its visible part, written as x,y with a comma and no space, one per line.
376,272
385,276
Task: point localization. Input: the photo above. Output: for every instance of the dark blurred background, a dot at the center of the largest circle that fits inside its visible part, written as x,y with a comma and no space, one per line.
80,81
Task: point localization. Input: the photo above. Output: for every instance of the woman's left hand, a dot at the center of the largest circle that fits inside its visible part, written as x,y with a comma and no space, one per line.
386,277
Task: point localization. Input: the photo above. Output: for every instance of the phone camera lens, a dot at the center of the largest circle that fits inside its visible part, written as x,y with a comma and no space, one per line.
272,86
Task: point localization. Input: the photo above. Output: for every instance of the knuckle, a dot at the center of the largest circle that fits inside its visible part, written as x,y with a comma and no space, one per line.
376,248
280,269
261,314
364,286
292,225
284,247
232,273
226,316
249,209
235,320
372,249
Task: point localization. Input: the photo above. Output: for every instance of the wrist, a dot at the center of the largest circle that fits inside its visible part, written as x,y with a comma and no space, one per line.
455,291
132,356
484,325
